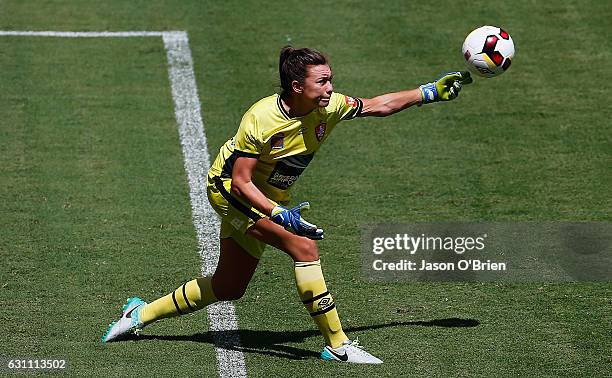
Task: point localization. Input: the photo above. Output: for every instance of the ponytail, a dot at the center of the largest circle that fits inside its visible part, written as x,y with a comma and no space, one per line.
292,65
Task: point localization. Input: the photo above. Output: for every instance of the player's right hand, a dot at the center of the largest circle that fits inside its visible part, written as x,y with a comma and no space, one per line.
446,88
291,219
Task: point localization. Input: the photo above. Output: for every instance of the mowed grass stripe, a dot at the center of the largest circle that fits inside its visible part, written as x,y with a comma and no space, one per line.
97,202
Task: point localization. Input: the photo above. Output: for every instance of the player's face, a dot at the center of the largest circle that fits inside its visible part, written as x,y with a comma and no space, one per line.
317,87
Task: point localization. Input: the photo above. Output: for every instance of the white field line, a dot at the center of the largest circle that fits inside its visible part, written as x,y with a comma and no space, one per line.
104,34
222,315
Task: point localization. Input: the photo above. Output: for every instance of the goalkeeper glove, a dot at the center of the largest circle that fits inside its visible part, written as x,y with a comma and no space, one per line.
292,220
446,88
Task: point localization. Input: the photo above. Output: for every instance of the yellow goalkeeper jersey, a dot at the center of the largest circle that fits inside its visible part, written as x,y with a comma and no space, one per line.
283,145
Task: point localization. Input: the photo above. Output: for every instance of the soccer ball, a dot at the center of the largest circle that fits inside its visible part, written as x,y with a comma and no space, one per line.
488,51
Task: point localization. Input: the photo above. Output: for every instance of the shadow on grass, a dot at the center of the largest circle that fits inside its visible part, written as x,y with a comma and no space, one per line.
273,343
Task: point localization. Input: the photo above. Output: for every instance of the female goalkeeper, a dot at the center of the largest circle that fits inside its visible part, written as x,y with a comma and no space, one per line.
249,184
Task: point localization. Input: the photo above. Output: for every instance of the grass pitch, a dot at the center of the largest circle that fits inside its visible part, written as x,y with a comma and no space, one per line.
95,204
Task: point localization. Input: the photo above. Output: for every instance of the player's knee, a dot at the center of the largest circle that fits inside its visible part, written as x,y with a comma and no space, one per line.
234,295
229,293
306,250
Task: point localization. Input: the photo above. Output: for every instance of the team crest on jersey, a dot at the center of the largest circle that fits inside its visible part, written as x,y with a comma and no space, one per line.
350,101
277,141
320,131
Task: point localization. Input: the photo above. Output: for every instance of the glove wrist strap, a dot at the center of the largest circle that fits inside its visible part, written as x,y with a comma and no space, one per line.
429,93
277,209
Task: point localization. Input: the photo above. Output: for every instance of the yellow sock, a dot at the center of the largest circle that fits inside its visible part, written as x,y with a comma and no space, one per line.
191,296
319,303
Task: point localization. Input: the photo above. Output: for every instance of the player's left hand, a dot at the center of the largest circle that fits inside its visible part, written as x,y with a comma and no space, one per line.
292,220
446,88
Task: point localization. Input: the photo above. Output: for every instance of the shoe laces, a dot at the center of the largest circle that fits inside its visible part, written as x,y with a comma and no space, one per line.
354,347
354,343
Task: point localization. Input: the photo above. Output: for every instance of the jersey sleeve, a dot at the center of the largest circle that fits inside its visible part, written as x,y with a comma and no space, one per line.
345,107
248,141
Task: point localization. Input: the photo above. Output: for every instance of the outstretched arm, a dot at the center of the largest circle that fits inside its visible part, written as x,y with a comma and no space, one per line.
390,103
445,88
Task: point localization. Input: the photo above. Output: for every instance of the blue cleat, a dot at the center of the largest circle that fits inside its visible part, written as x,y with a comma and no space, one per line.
129,323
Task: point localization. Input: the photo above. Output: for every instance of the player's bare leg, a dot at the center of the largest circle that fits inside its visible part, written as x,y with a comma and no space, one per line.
234,271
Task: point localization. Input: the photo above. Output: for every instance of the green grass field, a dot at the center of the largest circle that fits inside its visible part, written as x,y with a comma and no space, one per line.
95,201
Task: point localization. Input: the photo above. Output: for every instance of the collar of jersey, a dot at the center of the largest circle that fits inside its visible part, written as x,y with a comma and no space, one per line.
284,112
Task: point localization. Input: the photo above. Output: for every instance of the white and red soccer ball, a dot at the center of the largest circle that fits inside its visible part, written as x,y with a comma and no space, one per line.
488,51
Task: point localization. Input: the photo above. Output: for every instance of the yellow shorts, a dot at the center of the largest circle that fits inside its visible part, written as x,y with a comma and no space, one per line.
236,216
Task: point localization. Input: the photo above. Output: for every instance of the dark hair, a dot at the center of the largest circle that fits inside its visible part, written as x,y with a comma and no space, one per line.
292,65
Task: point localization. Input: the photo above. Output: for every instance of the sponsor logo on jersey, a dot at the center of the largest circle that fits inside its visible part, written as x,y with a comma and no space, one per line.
282,181
350,101
288,170
277,141
320,131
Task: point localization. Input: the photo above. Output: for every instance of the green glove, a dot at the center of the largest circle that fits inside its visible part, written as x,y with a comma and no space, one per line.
446,88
